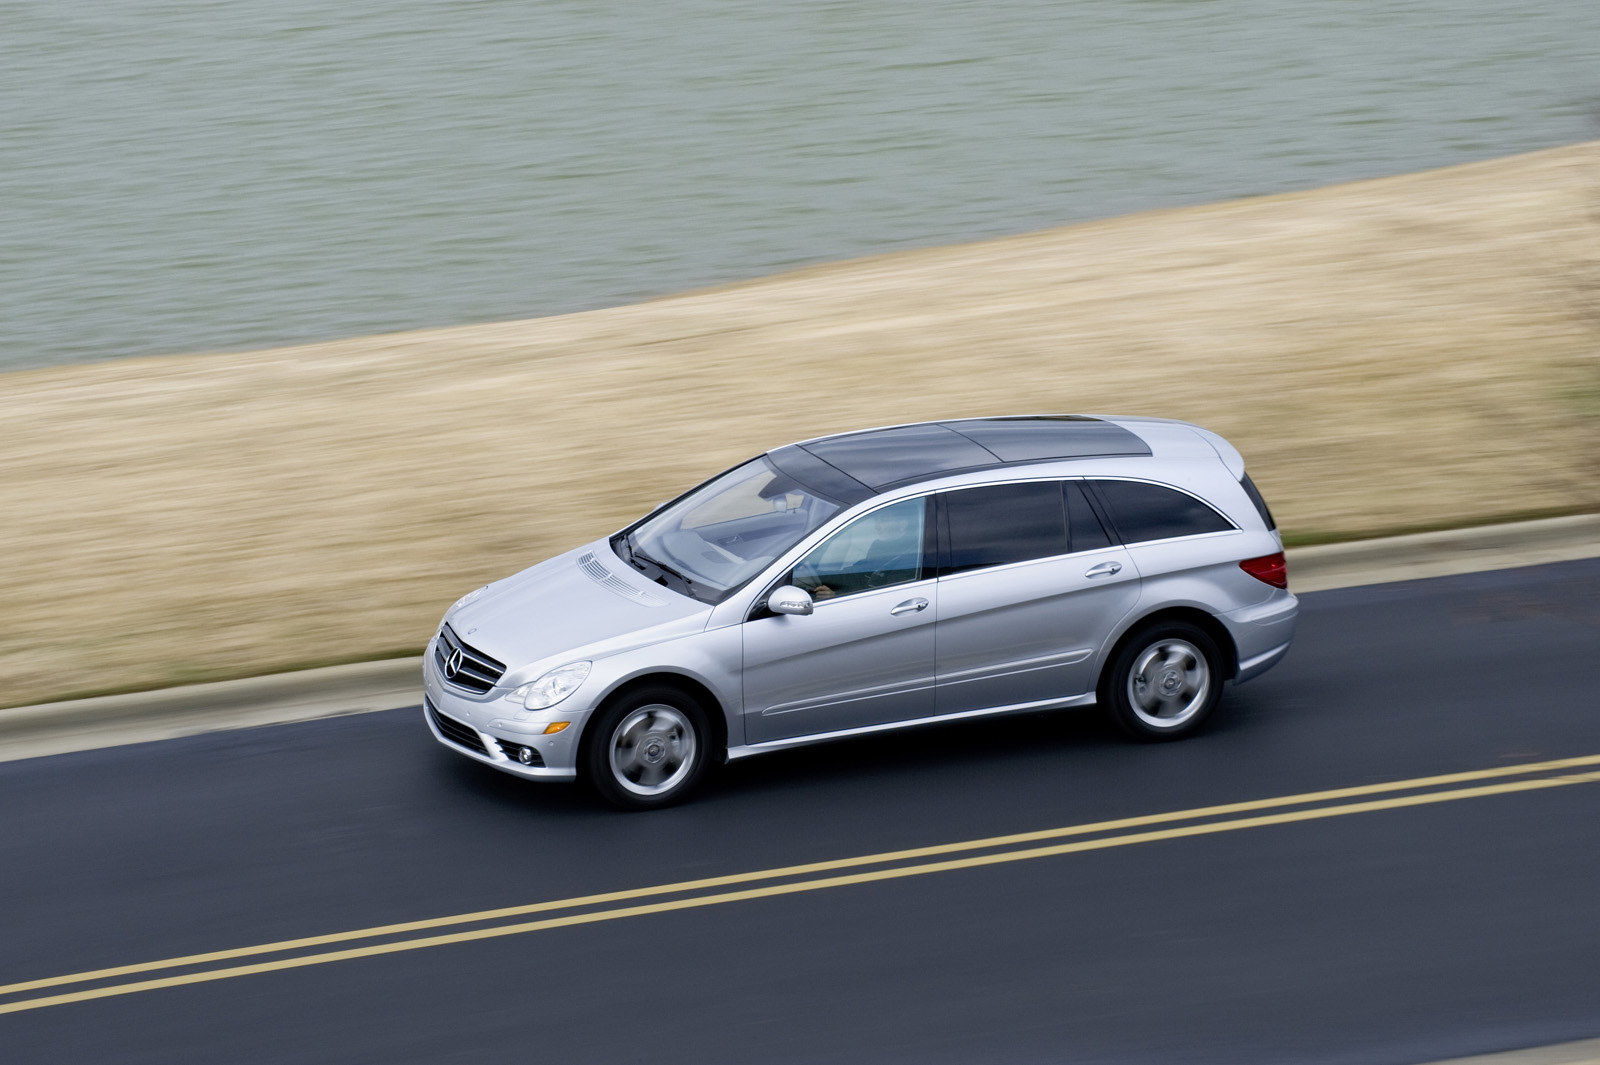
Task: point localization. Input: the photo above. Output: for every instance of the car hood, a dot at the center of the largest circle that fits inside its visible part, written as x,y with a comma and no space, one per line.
586,603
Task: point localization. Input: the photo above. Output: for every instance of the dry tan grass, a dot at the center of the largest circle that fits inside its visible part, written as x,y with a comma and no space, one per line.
1414,351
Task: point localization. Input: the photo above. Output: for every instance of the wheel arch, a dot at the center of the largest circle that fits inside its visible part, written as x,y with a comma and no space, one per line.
1206,622
694,689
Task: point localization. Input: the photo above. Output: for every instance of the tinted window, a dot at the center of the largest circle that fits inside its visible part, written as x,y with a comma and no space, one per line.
1255,497
1087,532
874,551
1004,523
1151,512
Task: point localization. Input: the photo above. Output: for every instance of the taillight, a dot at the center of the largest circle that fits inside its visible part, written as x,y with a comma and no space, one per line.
1270,569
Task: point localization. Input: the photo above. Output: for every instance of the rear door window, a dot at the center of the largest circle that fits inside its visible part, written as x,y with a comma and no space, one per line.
1003,523
1143,511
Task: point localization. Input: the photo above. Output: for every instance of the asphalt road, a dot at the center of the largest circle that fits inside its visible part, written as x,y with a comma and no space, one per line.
1379,933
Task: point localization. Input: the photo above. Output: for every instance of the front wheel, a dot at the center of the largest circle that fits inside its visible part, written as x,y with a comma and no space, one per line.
648,748
1163,682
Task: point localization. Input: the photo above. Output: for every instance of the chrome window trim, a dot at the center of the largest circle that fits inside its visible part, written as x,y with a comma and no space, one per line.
1000,566
800,550
818,604
1186,538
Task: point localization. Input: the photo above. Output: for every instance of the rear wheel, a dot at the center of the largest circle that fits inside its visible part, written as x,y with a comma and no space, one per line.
647,748
1164,681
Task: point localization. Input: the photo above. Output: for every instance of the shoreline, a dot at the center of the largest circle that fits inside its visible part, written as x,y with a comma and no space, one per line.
1406,352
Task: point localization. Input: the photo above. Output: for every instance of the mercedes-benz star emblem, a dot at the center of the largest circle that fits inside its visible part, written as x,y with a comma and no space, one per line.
452,665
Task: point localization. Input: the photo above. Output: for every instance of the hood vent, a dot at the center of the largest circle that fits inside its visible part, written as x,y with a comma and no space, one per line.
613,583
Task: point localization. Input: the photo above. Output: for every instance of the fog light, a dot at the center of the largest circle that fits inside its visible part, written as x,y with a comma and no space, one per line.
525,755
555,727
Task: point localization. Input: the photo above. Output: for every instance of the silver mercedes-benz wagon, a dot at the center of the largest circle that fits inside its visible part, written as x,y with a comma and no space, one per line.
875,580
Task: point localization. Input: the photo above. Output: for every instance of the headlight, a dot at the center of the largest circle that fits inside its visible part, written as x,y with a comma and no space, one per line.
551,688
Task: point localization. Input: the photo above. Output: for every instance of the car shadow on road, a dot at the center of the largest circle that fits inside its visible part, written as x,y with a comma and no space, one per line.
915,763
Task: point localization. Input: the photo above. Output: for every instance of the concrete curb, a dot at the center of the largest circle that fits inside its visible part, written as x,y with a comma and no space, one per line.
138,717
113,720
1441,554
1584,1052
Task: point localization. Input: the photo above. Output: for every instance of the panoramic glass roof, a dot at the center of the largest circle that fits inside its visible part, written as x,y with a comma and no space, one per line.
881,458
1028,439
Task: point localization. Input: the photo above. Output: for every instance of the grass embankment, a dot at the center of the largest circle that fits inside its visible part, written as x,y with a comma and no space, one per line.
1413,352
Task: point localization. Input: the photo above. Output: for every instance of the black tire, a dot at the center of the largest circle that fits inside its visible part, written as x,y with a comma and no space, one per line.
647,748
1163,682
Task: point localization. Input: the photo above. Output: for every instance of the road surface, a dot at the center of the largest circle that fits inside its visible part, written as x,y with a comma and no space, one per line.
1409,919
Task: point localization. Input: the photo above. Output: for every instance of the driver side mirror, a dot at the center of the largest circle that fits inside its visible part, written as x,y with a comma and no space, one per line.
789,600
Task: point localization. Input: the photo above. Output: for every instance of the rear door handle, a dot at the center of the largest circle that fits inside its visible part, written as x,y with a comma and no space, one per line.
910,606
1104,569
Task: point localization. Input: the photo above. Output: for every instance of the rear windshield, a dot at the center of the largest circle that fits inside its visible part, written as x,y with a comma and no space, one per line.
1255,497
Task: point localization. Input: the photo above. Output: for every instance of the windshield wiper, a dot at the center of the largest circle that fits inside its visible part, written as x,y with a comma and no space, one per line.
663,567
625,542
639,561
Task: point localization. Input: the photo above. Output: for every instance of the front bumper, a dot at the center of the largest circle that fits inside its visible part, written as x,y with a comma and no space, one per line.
490,730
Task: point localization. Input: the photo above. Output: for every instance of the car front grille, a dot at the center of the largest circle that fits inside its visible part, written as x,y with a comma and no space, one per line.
473,670
456,732
512,750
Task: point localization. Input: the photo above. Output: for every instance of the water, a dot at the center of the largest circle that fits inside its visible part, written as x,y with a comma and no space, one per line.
179,175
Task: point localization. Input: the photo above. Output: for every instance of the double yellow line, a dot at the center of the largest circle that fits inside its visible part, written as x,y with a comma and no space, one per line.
793,879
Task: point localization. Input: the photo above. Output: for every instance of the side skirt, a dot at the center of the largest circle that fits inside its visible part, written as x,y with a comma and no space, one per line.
746,750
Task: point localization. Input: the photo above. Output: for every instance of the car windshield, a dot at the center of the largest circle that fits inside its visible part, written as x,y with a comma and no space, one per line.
726,531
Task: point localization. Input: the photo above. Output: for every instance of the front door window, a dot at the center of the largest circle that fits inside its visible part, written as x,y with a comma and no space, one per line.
877,550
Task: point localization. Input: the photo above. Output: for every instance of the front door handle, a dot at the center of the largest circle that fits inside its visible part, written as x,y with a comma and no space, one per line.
1104,569
910,606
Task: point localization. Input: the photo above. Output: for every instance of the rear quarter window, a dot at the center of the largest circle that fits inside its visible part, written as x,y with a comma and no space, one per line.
1143,511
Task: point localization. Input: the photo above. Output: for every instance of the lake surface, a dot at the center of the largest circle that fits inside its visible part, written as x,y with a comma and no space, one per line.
184,176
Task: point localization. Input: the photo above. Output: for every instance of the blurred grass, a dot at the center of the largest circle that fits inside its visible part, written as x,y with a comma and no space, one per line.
1410,353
